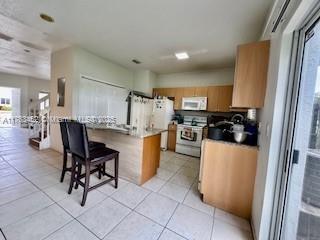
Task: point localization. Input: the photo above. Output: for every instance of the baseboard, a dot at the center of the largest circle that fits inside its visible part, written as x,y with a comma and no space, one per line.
253,230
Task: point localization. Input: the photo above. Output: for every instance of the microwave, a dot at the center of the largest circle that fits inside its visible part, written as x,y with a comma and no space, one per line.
194,103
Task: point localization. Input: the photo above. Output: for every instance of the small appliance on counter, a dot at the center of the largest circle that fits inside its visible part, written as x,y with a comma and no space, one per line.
251,128
212,120
221,131
237,129
178,118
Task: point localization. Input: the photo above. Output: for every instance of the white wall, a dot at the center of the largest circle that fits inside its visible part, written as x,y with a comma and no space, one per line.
144,81
271,118
86,63
37,85
62,65
71,63
29,87
192,79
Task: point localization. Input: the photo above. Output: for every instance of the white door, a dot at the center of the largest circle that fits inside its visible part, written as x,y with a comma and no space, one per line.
16,104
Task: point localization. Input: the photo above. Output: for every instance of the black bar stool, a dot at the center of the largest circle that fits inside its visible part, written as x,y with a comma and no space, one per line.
66,149
91,159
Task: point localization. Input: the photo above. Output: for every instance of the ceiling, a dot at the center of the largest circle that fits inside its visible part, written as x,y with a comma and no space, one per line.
150,31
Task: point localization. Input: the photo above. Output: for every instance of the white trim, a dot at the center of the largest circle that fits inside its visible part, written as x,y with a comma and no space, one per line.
284,173
101,81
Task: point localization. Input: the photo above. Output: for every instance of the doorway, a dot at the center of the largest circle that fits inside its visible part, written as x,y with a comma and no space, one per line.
9,106
301,206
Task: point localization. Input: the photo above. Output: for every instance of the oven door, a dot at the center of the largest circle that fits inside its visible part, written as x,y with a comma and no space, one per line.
189,136
189,104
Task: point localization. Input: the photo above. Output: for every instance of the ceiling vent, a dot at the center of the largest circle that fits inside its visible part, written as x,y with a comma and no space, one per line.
31,45
22,63
136,61
5,37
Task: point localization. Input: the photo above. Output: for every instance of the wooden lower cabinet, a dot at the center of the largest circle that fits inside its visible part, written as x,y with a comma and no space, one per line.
150,157
228,173
172,137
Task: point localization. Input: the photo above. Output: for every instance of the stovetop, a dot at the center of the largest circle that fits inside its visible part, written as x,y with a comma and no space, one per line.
194,121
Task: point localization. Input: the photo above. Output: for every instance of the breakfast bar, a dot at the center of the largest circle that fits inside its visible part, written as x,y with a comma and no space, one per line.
139,152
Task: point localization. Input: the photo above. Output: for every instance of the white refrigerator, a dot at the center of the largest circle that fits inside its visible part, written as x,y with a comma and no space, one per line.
161,116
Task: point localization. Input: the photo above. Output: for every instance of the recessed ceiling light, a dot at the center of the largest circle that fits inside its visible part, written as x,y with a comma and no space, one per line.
182,55
46,18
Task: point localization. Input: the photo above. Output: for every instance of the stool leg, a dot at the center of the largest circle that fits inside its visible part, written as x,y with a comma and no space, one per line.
73,175
86,184
64,166
100,171
104,169
78,175
116,170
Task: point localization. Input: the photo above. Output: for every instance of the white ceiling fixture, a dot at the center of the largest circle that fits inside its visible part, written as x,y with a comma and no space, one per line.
182,55
148,30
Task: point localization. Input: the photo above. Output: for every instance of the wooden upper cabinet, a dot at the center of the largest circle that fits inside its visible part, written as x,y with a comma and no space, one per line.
213,99
178,98
219,98
170,92
189,92
251,75
224,98
201,91
158,91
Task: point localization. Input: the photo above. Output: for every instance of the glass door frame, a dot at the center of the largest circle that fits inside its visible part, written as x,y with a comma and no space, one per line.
288,134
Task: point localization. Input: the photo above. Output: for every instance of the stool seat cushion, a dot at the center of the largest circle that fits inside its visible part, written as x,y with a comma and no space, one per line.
95,145
101,153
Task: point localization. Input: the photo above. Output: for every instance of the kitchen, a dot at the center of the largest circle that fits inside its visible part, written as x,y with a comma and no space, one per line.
231,107
216,124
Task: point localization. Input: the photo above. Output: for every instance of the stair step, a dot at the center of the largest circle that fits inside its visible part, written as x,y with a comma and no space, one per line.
35,142
45,134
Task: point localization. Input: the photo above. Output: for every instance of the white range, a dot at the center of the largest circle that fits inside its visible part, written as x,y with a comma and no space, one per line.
189,135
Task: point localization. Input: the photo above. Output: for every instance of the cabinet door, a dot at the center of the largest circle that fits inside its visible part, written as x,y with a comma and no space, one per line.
178,98
172,135
201,92
170,92
251,75
213,95
158,92
189,92
227,176
224,98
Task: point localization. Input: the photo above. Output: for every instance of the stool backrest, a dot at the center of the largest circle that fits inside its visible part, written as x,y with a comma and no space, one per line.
78,139
64,135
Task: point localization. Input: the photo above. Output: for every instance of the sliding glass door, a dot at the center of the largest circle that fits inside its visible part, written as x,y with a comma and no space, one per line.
301,218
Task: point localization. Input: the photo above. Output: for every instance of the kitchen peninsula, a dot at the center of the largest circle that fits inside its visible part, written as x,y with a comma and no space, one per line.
139,152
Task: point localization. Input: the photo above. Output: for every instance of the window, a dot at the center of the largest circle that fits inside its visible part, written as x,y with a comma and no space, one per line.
42,94
5,101
46,103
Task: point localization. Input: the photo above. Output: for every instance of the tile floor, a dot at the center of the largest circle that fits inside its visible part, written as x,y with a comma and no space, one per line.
35,205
